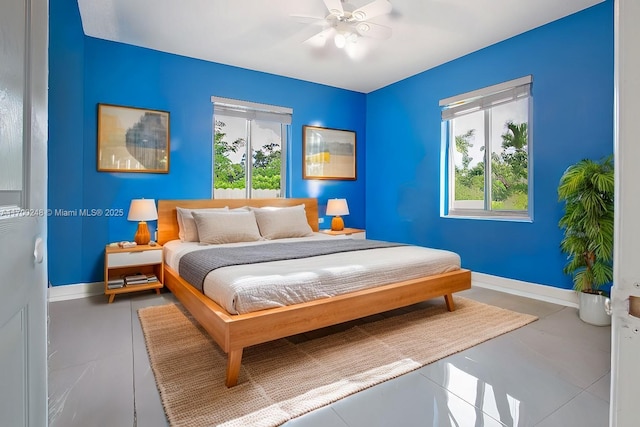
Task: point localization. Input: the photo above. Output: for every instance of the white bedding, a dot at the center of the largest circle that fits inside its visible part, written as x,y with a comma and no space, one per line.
247,288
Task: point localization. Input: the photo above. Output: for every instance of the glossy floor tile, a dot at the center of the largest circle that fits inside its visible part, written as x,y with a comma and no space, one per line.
552,372
584,410
505,379
410,400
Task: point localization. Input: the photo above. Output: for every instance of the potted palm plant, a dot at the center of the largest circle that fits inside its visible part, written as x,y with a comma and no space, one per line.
587,189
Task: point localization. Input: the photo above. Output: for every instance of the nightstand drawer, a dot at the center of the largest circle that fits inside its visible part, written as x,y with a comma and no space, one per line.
123,259
360,235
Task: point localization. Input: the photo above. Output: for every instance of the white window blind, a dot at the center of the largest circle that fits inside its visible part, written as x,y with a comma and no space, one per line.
485,98
251,110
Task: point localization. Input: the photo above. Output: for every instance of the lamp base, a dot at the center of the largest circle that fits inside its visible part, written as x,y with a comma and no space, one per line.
142,236
337,224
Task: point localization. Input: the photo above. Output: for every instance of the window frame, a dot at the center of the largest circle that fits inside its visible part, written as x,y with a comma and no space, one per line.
485,100
254,112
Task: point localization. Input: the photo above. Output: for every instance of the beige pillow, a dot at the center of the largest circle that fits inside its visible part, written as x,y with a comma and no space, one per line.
280,223
226,227
187,230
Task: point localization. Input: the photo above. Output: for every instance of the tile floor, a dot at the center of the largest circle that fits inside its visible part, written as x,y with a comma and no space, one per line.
553,372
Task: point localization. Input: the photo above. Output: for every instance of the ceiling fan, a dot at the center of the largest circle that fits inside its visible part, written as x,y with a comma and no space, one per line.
346,24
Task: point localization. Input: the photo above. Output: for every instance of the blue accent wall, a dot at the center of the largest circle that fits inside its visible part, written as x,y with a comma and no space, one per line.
398,146
85,71
571,61
66,142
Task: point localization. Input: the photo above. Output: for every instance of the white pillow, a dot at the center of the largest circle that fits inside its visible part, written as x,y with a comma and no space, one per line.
280,223
187,230
226,227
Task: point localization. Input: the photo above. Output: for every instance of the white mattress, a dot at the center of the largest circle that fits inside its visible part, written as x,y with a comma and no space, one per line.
247,288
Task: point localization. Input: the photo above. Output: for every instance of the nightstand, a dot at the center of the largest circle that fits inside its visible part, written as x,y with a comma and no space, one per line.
354,233
127,262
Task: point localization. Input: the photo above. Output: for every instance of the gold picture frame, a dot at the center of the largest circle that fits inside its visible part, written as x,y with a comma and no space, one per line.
132,139
328,153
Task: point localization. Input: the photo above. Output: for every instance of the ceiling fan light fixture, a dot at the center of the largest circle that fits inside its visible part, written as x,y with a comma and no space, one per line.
346,25
340,40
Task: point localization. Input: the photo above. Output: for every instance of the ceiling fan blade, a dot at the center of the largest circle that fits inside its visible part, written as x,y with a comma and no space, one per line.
334,7
376,31
312,20
371,10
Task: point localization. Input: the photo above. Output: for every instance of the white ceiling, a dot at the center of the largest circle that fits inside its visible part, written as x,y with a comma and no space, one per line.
263,35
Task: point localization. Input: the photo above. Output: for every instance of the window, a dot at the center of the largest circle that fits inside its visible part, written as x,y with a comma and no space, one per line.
246,130
487,151
13,114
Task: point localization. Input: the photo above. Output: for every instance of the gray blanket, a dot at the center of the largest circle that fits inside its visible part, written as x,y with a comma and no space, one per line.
194,266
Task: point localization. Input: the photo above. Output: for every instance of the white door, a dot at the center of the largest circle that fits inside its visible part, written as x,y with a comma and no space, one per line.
23,216
625,299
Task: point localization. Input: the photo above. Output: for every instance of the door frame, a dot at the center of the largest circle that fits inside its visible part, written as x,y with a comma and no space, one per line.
625,330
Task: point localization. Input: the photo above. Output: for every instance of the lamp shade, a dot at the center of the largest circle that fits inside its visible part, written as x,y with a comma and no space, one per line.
142,210
337,207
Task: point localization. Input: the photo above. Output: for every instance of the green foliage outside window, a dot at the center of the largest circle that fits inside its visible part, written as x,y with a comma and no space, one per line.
227,174
266,167
266,164
509,173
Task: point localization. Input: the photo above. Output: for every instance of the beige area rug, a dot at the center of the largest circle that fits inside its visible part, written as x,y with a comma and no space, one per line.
283,379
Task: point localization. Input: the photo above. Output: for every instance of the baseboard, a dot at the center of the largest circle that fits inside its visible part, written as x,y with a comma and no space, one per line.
546,293
79,290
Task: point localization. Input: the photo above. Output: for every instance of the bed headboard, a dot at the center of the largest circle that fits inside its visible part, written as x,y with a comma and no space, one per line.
168,221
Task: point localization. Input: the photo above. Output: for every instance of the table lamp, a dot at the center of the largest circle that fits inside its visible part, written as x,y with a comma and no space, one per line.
336,208
142,210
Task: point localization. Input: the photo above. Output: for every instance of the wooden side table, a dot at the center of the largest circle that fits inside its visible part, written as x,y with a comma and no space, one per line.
138,260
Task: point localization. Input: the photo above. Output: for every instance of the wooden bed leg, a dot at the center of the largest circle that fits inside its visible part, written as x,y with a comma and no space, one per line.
234,358
448,298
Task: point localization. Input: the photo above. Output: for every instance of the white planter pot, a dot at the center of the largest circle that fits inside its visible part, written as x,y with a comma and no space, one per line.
593,309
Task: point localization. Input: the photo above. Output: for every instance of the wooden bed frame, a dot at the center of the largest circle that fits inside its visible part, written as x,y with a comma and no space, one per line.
234,332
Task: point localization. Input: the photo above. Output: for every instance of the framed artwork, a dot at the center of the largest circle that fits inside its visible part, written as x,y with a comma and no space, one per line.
132,139
328,153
